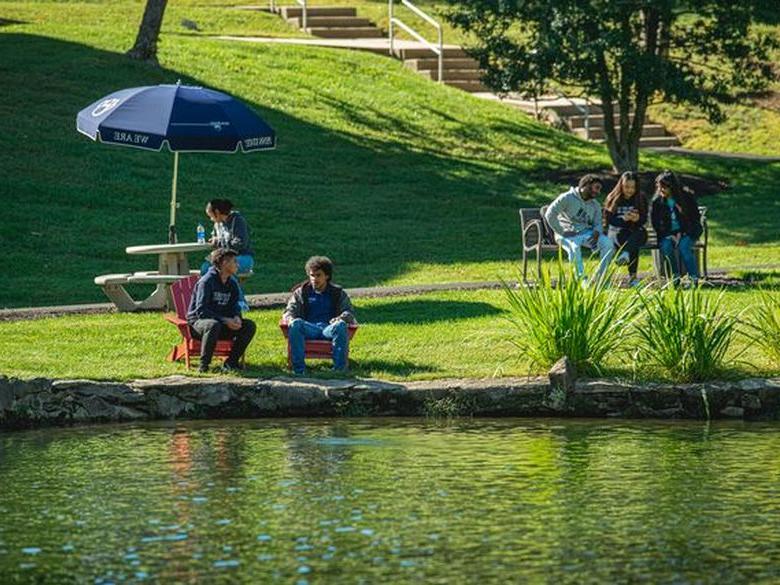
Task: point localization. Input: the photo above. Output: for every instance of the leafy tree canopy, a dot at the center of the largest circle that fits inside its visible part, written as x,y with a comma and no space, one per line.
627,53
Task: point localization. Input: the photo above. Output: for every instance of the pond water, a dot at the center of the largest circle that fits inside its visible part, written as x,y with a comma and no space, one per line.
355,500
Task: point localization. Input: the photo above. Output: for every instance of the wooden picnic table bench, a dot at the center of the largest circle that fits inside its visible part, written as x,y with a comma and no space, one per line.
538,238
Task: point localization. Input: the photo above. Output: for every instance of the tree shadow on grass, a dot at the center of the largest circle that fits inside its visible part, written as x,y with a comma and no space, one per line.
421,311
374,195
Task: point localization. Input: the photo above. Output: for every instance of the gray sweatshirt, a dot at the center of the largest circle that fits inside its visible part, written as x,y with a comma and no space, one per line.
569,214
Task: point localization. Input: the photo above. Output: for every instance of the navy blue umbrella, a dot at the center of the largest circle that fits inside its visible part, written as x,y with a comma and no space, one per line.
185,118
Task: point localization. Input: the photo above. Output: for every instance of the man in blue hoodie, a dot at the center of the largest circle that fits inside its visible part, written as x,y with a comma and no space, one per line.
214,312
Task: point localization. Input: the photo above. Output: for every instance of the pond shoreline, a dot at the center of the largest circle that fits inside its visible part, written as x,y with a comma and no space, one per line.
43,402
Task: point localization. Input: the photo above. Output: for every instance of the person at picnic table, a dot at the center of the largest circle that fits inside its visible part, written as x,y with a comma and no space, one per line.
318,309
625,215
677,223
575,219
231,232
214,312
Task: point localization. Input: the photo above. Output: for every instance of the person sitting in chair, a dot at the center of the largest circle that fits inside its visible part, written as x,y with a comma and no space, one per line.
318,309
214,312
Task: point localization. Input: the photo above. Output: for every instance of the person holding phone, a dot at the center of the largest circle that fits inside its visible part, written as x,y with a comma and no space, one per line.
624,219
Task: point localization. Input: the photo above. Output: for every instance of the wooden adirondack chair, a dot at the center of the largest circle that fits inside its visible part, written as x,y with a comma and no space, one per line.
317,349
181,291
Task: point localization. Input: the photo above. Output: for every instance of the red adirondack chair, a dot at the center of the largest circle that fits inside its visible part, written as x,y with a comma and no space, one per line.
317,349
181,291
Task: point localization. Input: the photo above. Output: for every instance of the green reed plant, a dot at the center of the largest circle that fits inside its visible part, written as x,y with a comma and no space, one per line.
763,324
585,323
686,332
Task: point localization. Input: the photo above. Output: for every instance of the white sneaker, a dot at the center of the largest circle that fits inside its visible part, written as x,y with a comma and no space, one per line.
623,259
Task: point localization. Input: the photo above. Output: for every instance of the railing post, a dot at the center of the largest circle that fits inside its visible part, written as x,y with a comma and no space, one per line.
305,23
441,56
587,120
390,26
272,6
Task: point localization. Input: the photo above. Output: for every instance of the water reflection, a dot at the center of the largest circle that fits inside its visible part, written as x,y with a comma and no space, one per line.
371,500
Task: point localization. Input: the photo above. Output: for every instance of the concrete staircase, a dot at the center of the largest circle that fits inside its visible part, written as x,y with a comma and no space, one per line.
458,69
653,135
562,113
337,22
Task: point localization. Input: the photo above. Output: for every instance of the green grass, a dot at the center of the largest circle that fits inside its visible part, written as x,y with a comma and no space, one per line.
442,335
399,180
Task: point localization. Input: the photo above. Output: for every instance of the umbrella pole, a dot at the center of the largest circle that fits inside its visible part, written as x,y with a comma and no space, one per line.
172,224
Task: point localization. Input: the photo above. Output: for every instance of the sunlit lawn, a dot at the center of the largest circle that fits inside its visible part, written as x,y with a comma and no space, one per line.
453,334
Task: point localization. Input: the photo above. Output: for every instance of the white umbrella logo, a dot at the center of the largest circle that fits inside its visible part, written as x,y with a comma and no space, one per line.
105,106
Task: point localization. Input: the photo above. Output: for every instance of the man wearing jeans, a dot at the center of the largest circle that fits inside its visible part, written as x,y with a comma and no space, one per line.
318,309
575,218
214,313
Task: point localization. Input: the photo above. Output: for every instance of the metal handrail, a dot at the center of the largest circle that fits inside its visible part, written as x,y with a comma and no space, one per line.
272,6
305,15
437,49
585,111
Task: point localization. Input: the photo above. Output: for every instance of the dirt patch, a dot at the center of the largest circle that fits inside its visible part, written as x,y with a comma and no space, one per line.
701,186
769,100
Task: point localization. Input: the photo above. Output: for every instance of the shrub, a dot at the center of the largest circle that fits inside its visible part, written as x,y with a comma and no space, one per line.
764,324
583,323
686,332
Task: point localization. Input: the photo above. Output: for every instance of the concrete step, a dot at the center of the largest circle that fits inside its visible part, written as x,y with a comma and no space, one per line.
658,141
452,74
433,64
595,120
331,21
295,11
597,132
469,85
422,53
565,110
363,32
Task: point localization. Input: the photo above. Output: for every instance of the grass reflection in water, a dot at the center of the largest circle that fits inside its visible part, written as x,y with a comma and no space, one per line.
380,500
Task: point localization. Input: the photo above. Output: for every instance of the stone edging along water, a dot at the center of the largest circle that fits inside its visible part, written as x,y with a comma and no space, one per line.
42,402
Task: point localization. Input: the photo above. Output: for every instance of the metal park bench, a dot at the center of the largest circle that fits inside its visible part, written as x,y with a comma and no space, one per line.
538,238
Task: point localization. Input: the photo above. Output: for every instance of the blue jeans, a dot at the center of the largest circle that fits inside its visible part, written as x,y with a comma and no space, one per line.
573,246
685,247
300,330
245,264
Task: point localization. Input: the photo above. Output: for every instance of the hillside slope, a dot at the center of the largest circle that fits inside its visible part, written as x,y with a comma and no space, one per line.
398,179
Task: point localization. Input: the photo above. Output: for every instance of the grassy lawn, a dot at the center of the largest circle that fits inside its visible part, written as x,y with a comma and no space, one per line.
408,182
453,334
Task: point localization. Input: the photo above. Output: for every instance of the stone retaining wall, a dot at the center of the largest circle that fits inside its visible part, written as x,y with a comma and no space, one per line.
39,402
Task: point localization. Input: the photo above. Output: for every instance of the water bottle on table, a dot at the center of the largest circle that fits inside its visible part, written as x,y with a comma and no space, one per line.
200,232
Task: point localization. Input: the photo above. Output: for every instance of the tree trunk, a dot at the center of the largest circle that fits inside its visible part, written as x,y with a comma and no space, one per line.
145,48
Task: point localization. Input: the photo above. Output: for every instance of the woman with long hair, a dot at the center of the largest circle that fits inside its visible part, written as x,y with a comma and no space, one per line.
677,223
624,218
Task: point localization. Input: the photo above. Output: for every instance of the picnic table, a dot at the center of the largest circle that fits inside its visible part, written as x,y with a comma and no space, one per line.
172,265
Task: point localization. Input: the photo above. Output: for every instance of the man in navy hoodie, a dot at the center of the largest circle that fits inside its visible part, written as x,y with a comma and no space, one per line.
214,313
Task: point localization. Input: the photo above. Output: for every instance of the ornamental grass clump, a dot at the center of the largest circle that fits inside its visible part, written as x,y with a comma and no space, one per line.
585,323
686,332
763,324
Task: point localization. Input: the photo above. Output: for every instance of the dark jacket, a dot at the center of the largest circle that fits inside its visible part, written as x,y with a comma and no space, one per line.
213,299
615,219
298,305
687,214
233,233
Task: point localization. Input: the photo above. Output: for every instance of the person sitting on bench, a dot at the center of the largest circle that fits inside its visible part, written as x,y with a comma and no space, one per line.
677,224
625,215
231,232
214,312
575,218
318,309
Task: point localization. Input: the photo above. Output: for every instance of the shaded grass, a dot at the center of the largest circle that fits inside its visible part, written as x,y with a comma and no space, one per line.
454,334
